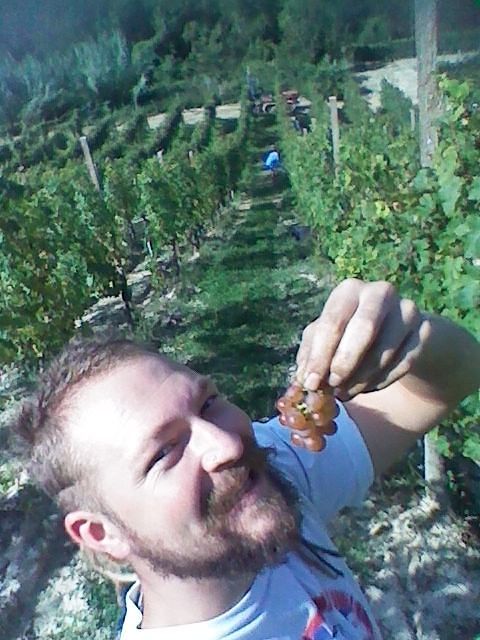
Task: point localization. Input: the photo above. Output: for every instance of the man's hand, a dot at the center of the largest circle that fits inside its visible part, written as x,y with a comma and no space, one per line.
366,338
400,371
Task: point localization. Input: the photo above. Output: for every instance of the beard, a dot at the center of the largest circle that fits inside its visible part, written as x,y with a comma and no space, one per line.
233,539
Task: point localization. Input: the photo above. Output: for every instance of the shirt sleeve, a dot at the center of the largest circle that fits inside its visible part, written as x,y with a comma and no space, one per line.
337,477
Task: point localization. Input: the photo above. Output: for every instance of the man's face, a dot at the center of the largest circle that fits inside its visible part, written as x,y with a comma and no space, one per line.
179,473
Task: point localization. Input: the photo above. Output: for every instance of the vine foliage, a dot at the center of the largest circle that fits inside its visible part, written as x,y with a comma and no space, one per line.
383,217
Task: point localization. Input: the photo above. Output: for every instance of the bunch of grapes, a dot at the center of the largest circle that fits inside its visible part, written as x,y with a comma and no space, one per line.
309,412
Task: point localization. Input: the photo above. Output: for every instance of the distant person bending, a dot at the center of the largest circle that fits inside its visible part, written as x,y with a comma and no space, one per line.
224,521
272,160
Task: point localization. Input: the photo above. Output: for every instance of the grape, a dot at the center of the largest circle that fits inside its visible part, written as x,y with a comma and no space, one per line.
329,429
297,420
283,420
297,440
294,393
311,412
325,414
283,405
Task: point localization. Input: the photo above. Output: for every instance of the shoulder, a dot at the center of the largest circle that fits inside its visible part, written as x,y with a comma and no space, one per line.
344,466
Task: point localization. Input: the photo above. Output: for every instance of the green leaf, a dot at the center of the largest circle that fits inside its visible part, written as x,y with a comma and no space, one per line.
461,230
471,447
469,296
422,181
474,192
449,194
472,246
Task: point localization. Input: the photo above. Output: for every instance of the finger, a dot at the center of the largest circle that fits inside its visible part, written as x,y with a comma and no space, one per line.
361,332
410,353
403,319
312,443
321,338
399,367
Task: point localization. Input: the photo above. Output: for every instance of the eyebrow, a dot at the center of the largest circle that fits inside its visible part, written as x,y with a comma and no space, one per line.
200,386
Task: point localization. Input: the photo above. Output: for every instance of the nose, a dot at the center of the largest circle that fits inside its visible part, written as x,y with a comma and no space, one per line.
214,446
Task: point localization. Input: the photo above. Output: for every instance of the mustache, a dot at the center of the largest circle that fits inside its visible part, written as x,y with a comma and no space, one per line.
225,495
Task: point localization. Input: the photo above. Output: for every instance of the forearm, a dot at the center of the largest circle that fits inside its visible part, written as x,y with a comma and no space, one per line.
446,371
399,371
448,368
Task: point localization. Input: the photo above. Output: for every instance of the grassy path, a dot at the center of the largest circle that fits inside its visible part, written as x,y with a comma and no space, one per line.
245,300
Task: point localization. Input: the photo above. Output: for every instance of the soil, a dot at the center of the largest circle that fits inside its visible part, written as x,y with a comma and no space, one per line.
400,73
194,116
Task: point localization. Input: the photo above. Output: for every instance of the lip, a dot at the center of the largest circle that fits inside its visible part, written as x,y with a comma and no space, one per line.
248,493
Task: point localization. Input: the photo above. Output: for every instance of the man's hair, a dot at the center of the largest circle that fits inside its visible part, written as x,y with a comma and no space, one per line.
56,467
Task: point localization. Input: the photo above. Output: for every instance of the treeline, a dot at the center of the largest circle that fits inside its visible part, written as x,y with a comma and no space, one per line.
57,56
37,28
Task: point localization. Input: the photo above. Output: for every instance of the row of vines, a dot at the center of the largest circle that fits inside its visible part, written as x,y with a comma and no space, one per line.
63,245
111,135
382,216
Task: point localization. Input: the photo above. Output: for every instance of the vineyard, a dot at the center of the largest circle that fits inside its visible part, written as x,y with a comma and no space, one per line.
183,240
383,217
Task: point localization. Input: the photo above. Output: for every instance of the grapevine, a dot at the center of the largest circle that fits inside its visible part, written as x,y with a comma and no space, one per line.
383,217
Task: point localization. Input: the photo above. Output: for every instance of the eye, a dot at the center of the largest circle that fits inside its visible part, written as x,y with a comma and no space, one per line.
209,402
160,455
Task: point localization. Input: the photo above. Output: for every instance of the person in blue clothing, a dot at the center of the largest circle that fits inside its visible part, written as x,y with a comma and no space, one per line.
272,160
223,521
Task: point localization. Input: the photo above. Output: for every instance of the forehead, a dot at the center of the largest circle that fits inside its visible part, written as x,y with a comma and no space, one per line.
126,402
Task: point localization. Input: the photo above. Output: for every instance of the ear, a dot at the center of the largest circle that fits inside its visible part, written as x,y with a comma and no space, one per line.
97,533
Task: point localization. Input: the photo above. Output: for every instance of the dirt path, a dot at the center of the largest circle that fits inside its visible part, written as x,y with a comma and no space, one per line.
196,115
401,74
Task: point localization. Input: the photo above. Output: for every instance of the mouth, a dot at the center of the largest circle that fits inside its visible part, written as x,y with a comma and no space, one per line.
247,492
237,496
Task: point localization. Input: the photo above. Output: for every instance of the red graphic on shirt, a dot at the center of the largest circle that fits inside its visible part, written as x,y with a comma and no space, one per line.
318,627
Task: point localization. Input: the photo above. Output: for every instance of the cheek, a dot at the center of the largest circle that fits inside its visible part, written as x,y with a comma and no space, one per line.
169,504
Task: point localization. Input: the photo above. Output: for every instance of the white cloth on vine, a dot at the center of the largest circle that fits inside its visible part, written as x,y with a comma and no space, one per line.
299,599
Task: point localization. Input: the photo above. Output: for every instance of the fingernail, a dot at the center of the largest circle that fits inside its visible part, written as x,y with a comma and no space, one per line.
312,381
334,380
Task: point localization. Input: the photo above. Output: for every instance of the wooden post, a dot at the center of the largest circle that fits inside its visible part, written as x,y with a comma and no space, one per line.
332,103
428,94
89,162
160,155
429,110
413,120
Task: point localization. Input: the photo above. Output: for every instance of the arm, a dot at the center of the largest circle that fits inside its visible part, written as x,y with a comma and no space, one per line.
398,370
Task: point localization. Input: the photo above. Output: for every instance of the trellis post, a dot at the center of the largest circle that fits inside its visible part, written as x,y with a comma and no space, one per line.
92,170
332,103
